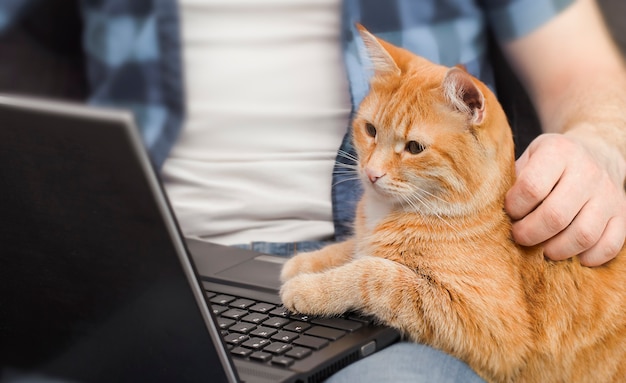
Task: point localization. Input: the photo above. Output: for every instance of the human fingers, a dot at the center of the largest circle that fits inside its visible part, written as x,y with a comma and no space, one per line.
521,162
581,234
608,246
538,171
573,219
555,213
606,204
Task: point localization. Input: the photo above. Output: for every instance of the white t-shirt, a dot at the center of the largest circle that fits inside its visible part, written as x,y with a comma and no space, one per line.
267,107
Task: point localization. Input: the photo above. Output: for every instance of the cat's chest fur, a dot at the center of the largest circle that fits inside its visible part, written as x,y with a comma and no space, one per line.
410,238
375,210
382,231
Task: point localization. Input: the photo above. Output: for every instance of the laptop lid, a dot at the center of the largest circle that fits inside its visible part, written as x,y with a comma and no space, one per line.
95,282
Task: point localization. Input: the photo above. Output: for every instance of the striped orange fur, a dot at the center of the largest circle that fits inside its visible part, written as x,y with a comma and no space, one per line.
432,253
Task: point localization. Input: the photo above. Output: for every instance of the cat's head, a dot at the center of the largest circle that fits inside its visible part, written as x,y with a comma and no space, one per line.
428,137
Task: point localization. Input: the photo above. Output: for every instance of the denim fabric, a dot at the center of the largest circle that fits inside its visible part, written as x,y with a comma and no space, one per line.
286,249
346,190
407,363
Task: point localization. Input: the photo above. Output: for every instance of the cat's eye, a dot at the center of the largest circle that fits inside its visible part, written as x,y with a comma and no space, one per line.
370,129
414,147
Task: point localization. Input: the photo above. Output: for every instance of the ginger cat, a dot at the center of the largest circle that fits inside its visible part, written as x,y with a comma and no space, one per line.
432,253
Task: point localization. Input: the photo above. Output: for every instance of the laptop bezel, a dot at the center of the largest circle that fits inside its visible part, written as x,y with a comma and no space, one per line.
126,120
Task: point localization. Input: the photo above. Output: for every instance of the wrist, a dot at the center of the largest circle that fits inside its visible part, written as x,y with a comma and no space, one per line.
607,144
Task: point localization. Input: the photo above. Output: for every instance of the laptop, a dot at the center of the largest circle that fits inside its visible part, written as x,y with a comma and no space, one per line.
97,284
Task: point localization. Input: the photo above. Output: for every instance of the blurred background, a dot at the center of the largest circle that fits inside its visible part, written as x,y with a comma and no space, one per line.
42,56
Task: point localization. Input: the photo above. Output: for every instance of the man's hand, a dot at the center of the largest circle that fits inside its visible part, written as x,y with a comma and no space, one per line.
569,196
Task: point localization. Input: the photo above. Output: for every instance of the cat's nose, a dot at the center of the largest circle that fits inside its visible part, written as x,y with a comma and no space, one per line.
374,175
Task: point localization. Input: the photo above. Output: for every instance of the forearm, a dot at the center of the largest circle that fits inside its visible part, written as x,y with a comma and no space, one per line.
569,195
592,111
575,76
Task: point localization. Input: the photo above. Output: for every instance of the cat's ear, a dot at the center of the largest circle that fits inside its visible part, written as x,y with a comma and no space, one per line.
378,54
461,91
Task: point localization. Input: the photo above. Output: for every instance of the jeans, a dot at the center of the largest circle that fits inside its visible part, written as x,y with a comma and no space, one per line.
401,362
407,362
286,249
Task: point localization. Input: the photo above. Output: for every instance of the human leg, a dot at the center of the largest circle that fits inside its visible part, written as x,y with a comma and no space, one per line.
407,362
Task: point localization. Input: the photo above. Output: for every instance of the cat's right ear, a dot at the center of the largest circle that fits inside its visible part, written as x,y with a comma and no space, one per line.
461,91
382,62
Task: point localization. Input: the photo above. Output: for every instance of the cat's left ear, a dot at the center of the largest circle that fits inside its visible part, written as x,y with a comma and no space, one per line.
461,91
378,52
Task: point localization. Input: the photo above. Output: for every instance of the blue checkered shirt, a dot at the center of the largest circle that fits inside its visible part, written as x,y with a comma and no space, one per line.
134,56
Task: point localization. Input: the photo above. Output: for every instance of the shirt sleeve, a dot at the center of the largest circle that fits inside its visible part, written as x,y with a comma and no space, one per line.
11,11
133,58
512,19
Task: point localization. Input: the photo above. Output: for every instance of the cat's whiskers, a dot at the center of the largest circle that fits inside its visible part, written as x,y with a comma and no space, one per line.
424,191
445,176
346,179
346,166
412,204
347,172
430,210
347,155
415,199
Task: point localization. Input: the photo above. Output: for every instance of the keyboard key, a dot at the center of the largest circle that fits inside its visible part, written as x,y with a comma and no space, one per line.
262,308
242,303
261,356
282,361
256,318
310,342
299,352
297,326
256,343
362,318
285,336
217,309
280,311
325,332
277,348
241,351
276,322
225,323
234,314
339,323
300,317
264,332
235,339
222,299
242,327
210,294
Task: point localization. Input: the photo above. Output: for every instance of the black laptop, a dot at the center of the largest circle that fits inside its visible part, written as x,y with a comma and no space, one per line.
98,285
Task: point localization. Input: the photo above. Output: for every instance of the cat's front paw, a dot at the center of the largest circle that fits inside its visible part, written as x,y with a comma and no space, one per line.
304,294
289,269
296,293
298,264
318,261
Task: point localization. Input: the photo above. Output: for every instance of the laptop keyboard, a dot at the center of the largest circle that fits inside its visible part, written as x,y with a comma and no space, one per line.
267,333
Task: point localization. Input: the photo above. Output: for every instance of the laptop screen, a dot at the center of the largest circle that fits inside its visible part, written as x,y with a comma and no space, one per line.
91,285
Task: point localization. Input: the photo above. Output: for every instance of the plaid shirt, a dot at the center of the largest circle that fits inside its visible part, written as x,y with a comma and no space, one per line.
134,56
